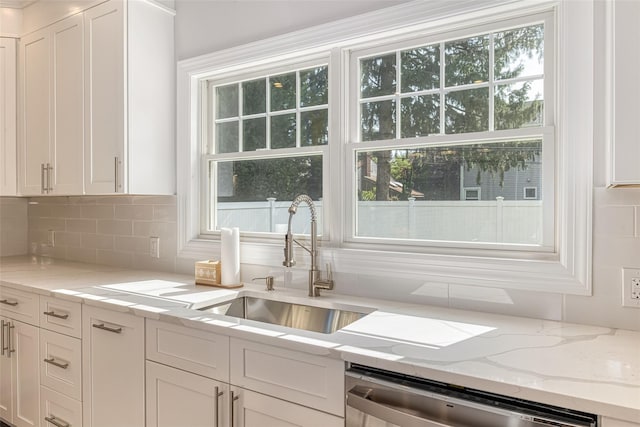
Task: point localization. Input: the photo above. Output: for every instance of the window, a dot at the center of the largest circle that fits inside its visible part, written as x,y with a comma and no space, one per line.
267,143
423,106
439,114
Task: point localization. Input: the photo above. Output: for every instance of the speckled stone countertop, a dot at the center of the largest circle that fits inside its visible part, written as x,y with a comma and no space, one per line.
586,368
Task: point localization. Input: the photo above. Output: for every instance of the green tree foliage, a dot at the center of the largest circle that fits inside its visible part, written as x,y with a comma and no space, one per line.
466,110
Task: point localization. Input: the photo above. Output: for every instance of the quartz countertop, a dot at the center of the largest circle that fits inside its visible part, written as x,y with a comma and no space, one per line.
585,368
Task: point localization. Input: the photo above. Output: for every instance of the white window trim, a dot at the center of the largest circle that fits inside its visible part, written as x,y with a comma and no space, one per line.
568,272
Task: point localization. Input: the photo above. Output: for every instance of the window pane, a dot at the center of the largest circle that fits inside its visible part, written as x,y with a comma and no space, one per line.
283,131
423,193
227,101
254,99
378,120
467,61
467,111
519,52
378,76
254,134
519,105
314,87
420,69
227,137
244,187
314,127
420,116
283,92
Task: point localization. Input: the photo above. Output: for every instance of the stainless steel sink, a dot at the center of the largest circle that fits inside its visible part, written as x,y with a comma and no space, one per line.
292,315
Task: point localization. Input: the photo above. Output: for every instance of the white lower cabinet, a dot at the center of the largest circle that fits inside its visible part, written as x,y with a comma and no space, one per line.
200,379
58,410
253,409
610,422
19,382
113,368
177,398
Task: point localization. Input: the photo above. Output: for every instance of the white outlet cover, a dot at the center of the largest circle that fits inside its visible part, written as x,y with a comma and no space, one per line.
630,287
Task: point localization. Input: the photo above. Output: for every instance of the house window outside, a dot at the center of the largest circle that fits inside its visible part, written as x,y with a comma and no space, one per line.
472,193
433,114
267,141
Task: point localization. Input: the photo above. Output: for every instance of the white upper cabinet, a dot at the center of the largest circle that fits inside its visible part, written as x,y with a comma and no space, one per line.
51,109
624,16
8,116
129,99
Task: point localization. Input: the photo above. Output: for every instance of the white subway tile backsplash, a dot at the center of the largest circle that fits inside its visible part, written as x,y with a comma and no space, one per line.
97,241
132,244
80,225
98,211
115,226
137,212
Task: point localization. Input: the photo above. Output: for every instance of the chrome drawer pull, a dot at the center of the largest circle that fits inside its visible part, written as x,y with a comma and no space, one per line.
9,349
58,422
217,393
106,328
54,314
7,302
2,347
52,361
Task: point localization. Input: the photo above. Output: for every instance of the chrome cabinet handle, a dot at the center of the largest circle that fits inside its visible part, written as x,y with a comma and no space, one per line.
218,393
2,347
49,169
232,399
42,189
58,422
106,328
7,302
10,350
52,361
54,314
116,181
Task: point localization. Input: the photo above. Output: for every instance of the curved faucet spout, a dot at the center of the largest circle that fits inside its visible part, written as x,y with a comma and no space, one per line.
315,280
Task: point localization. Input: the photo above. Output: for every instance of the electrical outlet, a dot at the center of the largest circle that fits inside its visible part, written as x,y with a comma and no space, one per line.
51,238
631,287
154,247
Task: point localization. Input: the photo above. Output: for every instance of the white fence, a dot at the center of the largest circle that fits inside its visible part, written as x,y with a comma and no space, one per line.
477,221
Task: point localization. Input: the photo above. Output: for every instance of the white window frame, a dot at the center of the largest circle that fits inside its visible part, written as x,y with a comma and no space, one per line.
566,271
225,78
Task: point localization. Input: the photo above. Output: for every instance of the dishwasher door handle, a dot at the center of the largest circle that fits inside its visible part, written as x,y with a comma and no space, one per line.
389,414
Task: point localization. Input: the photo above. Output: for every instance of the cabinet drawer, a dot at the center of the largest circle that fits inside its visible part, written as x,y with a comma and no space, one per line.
255,409
58,408
19,305
309,380
200,352
61,316
61,363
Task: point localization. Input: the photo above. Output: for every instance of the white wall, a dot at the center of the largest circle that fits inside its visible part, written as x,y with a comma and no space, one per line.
205,26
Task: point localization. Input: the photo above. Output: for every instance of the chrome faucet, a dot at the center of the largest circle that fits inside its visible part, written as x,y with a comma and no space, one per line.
316,283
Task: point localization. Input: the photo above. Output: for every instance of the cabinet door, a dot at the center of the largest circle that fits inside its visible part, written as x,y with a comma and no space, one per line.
177,398
8,117
58,408
60,363
34,131
67,107
112,368
6,379
625,137
104,99
26,386
253,409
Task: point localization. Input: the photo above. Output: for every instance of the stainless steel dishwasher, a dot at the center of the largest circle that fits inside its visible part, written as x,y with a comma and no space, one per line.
377,398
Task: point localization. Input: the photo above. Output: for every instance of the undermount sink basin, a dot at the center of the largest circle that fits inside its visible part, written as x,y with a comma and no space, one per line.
298,316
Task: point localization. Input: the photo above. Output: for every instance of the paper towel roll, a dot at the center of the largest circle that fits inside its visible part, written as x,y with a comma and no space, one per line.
230,256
